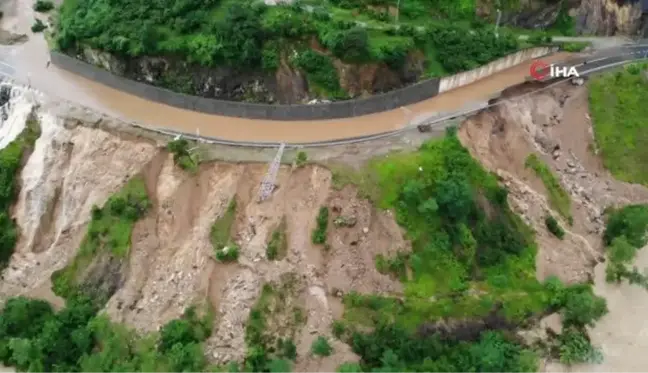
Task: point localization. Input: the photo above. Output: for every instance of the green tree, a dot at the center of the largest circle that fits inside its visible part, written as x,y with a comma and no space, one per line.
631,222
583,307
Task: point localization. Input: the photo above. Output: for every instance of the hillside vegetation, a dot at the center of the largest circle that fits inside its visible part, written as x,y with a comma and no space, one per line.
469,286
473,261
619,112
11,159
309,35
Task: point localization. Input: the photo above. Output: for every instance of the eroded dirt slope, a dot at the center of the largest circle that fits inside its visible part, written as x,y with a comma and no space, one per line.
555,125
171,261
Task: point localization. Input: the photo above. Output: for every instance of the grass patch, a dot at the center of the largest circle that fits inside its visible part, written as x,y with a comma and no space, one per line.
11,158
109,232
574,47
278,245
554,227
619,118
558,197
320,231
221,230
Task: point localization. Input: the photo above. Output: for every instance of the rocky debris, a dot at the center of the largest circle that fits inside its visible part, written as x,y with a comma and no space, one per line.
9,38
345,221
550,325
227,341
502,138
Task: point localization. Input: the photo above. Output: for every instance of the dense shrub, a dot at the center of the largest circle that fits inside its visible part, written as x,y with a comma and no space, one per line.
301,159
182,156
38,26
554,227
351,45
228,253
43,6
391,349
618,111
575,347
461,49
582,307
35,338
250,36
320,71
630,222
624,235
321,347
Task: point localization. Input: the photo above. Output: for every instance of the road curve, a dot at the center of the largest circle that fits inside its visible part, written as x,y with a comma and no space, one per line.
29,61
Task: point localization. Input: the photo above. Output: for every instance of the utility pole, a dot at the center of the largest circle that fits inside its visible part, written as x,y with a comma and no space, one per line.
499,18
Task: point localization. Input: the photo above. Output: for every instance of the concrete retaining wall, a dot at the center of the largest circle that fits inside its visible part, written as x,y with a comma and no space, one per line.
342,109
465,78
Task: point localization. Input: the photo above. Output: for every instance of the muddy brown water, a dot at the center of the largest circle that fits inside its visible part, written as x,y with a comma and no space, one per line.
30,60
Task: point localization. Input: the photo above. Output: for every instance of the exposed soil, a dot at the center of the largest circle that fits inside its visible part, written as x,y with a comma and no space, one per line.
171,262
70,170
555,125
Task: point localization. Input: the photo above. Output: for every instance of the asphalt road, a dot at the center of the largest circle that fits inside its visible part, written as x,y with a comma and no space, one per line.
27,63
610,58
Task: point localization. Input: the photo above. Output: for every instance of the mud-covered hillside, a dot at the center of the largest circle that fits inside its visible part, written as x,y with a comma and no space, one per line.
170,263
475,252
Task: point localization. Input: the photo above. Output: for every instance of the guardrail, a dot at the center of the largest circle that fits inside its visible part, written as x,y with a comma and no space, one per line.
433,122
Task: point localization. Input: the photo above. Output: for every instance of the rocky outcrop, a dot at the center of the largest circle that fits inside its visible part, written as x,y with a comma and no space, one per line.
287,85
609,17
181,76
592,17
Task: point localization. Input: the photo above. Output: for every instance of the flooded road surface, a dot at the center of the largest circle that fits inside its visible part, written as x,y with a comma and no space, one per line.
74,88
30,60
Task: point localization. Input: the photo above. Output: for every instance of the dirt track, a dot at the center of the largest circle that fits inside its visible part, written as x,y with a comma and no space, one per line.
30,60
